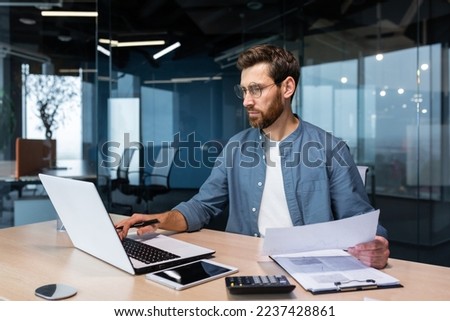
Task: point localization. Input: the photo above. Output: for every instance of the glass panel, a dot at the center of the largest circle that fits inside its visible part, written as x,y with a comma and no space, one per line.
157,115
375,73
34,47
124,127
52,110
393,104
330,96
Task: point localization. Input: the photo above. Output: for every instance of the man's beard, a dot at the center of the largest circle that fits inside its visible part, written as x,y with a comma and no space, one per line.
270,116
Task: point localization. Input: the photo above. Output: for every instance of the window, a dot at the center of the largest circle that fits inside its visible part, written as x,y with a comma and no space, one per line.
52,109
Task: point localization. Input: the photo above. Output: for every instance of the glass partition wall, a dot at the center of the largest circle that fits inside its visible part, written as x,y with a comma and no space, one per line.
47,92
383,86
375,73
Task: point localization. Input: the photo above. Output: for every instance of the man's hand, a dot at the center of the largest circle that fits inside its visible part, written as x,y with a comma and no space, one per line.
124,225
171,220
374,253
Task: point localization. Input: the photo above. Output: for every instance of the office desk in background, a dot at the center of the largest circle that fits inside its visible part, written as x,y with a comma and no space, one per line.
37,254
77,169
72,168
27,194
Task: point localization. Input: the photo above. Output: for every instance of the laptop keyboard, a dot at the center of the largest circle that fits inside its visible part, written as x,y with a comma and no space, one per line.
146,253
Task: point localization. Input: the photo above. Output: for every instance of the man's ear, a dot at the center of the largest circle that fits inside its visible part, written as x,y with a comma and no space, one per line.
289,87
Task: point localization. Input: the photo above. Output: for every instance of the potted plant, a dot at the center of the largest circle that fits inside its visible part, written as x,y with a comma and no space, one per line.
50,94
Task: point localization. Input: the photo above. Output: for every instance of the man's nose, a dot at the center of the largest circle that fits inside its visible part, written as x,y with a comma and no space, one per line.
247,101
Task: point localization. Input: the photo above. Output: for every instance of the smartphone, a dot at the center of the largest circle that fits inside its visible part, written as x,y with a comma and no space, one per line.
187,275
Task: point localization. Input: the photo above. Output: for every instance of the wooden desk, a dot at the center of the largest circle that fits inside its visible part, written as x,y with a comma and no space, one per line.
36,254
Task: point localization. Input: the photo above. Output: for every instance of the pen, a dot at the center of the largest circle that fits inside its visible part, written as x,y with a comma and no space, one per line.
141,224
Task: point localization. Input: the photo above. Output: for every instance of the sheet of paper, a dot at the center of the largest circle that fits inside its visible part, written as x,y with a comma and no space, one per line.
339,234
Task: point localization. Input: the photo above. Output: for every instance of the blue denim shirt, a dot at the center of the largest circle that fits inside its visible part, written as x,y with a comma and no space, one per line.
321,181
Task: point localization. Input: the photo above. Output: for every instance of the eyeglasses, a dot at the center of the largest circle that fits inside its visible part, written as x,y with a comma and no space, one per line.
254,89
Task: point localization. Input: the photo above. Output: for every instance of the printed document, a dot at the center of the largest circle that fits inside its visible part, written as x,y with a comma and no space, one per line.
314,255
339,234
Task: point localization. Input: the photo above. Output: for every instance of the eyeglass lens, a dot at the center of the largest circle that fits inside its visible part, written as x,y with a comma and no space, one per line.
254,90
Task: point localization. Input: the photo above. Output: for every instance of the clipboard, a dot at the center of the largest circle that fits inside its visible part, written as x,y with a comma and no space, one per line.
333,271
361,287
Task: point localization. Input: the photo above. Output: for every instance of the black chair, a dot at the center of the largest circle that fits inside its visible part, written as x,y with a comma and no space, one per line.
156,181
143,183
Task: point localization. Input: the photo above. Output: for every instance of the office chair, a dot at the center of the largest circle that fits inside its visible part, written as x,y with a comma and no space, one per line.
363,170
104,179
121,182
148,183
157,181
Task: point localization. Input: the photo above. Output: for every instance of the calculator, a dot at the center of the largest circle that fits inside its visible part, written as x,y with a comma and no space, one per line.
258,284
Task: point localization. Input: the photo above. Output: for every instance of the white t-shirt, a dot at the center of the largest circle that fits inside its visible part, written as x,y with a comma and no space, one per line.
274,211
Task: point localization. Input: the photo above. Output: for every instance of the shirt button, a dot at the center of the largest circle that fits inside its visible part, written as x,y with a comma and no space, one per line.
255,235
253,209
259,184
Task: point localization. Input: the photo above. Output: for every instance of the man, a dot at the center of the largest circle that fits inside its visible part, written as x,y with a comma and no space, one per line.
281,172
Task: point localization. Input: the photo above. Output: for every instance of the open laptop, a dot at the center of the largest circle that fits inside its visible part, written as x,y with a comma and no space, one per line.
91,229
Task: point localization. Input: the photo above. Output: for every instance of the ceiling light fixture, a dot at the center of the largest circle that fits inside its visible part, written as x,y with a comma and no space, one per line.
77,71
79,14
27,21
103,50
182,80
111,42
116,43
64,37
424,67
254,5
379,56
141,43
166,50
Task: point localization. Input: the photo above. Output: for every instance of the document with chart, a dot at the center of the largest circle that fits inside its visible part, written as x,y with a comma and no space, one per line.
315,255
326,271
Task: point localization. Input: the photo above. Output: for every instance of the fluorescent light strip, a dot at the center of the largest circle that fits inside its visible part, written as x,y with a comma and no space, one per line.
141,43
112,42
78,71
182,80
190,79
106,78
91,14
115,43
166,50
150,82
103,50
